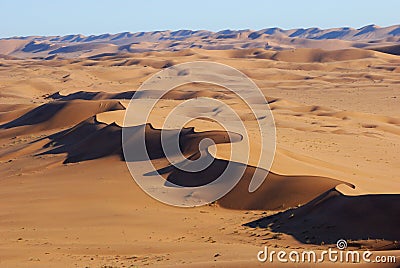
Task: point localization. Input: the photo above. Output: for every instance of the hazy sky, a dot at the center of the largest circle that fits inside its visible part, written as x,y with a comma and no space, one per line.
52,17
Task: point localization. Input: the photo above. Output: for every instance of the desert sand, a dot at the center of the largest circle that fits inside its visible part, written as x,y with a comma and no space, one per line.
370,37
67,198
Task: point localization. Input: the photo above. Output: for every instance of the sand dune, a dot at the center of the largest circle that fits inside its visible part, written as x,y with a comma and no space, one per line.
102,140
316,55
84,95
97,134
71,46
395,49
335,172
332,216
56,115
10,112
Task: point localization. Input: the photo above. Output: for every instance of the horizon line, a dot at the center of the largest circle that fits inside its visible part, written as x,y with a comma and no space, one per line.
198,30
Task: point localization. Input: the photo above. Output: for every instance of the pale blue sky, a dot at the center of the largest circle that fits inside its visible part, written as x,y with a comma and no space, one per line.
52,17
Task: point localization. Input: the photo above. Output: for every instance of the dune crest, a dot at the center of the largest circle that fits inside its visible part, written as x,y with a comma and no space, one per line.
70,46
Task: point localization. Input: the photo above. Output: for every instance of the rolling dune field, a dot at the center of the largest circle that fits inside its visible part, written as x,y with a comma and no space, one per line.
67,197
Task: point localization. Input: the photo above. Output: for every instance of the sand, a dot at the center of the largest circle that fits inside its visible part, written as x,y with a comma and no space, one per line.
372,37
68,199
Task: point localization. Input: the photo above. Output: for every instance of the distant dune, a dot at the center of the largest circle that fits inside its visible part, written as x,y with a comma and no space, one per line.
70,46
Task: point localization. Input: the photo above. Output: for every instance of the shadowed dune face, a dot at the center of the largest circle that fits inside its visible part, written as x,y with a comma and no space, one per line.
184,92
395,49
59,114
101,140
333,216
84,95
9,112
276,193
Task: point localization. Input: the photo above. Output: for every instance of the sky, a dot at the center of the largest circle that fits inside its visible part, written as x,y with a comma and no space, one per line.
45,17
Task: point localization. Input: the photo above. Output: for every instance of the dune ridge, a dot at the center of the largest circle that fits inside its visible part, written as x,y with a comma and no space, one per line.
104,140
329,217
71,46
